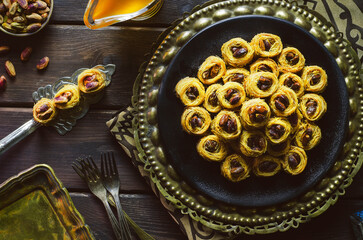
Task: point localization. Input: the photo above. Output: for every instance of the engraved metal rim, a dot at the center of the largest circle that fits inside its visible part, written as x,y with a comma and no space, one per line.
224,217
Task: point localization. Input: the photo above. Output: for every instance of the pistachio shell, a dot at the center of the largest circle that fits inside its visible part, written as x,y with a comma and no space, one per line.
7,3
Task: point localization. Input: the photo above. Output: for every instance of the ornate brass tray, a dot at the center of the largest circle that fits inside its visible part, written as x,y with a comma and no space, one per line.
226,217
35,205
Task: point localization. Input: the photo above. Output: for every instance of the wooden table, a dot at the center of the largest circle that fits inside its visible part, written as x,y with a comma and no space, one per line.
70,45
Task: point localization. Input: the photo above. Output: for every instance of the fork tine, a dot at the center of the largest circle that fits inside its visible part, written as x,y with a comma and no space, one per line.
107,164
115,171
94,166
78,170
104,174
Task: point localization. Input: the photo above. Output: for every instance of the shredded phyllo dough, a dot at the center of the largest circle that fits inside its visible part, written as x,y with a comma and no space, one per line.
255,107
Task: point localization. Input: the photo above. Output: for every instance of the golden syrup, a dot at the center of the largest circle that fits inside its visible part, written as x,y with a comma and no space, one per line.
106,8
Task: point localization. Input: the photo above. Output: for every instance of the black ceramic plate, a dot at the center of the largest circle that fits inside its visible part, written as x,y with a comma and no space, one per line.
205,176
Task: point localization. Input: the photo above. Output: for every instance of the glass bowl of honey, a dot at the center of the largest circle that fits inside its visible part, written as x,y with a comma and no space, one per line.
102,13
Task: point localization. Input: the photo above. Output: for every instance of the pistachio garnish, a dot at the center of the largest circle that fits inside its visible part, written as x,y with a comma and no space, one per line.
10,69
13,8
41,4
2,82
25,54
43,63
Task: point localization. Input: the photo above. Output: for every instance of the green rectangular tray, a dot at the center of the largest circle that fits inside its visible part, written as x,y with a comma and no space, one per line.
35,205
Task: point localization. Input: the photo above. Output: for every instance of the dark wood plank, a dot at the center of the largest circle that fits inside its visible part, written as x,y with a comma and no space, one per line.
145,210
72,47
90,136
170,11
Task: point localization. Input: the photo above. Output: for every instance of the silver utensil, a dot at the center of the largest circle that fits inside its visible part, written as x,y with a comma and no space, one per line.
66,119
111,181
88,171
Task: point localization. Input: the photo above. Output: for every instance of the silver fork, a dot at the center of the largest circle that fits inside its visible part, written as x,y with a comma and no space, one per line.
111,181
88,171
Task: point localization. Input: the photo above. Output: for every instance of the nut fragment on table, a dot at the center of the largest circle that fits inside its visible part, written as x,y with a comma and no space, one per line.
2,82
43,63
10,69
4,49
23,16
25,54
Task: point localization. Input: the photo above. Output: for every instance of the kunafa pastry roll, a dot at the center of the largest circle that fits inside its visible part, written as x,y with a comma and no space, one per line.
253,143
261,84
211,70
315,79
226,125
292,81
237,52
308,136
266,166
235,168
313,106
236,75
295,119
255,113
91,81
279,149
266,45
277,130
211,102
295,161
264,65
212,148
67,97
44,111
291,60
284,102
195,120
190,91
231,95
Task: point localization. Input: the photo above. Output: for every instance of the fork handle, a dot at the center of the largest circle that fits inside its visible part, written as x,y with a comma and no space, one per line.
113,220
121,217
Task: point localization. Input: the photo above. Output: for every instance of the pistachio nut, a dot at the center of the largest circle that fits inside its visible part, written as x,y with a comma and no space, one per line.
45,10
7,3
2,8
10,69
2,82
7,27
34,17
43,63
17,26
1,19
4,49
23,3
19,19
25,54
44,16
13,8
47,2
41,4
31,8
33,27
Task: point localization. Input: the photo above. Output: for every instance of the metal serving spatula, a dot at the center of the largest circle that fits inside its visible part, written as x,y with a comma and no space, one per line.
66,118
